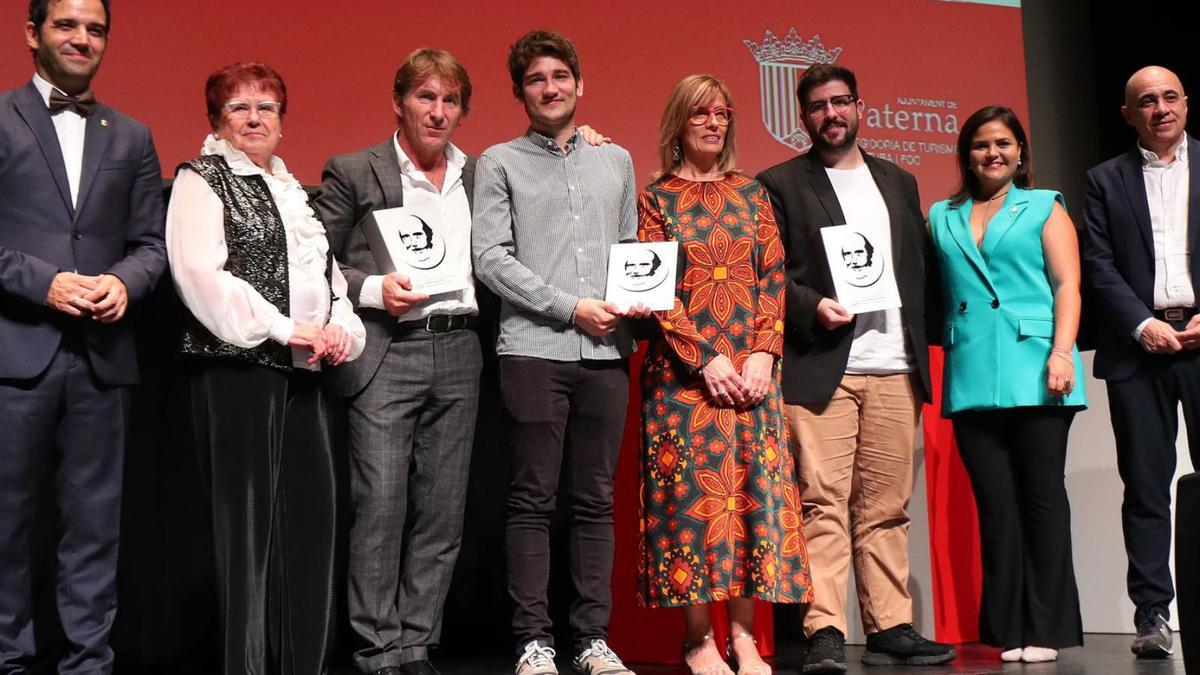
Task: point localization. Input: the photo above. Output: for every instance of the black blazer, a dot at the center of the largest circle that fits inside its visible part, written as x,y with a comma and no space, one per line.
1118,256
116,227
353,185
814,359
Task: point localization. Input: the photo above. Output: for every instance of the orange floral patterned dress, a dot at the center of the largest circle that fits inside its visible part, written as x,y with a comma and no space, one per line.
720,512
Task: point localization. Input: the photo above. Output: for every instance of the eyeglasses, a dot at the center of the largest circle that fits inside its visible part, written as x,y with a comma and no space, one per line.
839,103
722,114
241,109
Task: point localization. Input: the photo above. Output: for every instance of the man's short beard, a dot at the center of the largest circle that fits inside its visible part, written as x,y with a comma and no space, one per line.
821,145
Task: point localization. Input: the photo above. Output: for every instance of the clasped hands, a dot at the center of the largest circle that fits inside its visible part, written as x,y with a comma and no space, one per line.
746,389
1159,337
330,342
103,296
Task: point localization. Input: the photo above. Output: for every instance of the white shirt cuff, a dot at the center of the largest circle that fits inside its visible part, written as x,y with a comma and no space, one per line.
281,331
1137,332
370,294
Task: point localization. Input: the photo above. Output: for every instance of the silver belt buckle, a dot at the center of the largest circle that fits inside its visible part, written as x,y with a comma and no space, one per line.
1175,313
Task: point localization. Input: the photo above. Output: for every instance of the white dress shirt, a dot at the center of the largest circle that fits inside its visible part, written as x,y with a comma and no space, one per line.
70,127
1167,188
229,307
451,202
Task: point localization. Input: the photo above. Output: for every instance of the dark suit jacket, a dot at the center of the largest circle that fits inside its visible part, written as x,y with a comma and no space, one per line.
353,185
1118,256
814,359
117,228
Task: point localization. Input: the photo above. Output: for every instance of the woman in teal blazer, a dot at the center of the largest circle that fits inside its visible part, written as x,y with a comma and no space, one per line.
1010,284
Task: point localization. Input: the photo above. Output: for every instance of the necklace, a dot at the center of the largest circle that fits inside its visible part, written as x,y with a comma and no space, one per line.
993,198
987,205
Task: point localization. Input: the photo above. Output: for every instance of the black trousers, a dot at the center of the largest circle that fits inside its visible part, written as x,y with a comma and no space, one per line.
1016,459
66,422
572,411
1145,419
264,447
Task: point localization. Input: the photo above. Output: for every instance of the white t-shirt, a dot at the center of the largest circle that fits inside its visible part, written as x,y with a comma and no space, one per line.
878,347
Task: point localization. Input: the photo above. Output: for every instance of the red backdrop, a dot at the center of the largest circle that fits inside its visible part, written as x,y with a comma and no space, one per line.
923,66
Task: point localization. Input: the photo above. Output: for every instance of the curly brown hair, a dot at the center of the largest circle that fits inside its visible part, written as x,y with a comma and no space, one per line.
535,44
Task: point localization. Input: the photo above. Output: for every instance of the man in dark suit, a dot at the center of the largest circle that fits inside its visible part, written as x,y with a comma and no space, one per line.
1141,267
80,239
853,385
414,393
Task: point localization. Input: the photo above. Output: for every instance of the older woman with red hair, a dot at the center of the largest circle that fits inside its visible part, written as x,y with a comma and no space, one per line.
267,307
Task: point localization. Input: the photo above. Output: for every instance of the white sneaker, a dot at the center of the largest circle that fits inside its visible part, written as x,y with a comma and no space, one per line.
1039,655
537,659
598,659
1011,655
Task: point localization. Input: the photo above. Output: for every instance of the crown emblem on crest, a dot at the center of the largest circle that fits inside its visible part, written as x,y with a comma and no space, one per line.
792,49
781,64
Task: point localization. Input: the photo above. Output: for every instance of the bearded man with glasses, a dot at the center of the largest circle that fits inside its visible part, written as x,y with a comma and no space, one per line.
853,385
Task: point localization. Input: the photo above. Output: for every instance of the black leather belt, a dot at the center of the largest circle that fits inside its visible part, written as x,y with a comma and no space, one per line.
440,323
1175,313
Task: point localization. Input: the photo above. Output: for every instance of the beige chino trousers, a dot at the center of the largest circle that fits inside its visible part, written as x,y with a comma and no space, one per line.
854,467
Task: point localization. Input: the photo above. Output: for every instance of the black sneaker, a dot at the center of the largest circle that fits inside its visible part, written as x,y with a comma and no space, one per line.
826,652
901,645
1153,639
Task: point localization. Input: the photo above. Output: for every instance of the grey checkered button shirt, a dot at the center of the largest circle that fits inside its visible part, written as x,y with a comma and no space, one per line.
542,225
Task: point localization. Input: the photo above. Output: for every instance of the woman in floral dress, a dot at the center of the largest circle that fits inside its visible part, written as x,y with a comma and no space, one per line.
720,509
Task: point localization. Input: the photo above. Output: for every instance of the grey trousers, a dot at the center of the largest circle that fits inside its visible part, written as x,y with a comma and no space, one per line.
411,431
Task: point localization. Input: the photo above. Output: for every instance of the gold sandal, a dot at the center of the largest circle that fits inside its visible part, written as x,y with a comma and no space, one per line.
690,648
756,669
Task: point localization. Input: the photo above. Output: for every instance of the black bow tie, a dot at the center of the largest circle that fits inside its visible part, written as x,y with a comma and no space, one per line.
82,104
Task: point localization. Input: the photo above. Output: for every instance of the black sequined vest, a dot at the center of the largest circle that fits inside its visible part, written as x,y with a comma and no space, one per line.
257,244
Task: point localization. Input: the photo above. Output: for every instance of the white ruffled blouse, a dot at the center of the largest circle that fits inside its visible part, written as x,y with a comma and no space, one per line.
230,307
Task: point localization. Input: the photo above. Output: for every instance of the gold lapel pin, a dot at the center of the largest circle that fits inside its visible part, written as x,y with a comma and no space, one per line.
103,122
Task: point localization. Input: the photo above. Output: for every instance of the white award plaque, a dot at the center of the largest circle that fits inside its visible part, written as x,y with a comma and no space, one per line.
642,273
411,241
860,262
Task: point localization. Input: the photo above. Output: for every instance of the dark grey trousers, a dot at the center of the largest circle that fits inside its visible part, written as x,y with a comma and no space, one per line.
411,431
1015,459
572,412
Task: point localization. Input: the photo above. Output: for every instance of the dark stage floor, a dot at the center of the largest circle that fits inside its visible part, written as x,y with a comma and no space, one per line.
1102,654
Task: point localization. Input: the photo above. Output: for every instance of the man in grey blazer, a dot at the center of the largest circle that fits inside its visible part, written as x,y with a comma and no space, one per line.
80,240
414,392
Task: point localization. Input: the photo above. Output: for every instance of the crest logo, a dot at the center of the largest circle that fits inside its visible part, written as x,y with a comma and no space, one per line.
781,63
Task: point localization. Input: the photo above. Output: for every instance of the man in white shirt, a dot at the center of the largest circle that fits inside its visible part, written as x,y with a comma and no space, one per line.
1142,221
853,385
80,240
414,393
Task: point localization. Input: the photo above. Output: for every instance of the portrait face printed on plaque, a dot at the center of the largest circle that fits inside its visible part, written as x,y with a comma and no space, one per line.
423,249
643,270
861,267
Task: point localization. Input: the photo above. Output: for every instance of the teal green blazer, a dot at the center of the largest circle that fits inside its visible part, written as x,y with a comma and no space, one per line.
999,306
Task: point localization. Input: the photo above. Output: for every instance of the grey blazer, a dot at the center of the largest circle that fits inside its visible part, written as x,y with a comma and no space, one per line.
353,185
